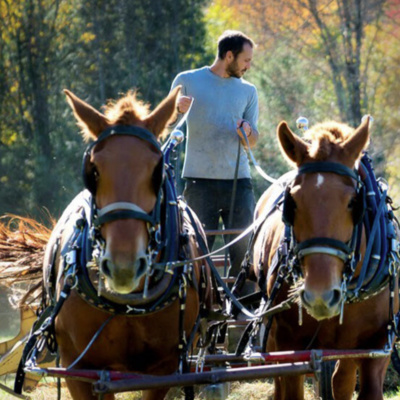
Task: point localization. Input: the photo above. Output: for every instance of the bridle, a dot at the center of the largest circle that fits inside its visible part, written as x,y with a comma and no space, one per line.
348,252
164,280
125,210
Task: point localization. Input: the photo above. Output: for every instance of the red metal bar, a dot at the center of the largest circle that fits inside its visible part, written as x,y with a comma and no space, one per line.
294,363
238,361
84,375
306,355
273,357
213,377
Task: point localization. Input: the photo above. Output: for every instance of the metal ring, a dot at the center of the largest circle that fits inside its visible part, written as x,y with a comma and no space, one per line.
73,280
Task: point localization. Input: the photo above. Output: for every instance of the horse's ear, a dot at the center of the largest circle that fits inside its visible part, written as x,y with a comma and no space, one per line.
293,147
358,141
91,121
164,114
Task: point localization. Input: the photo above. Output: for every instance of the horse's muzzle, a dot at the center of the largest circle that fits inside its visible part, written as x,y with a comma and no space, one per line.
322,305
123,277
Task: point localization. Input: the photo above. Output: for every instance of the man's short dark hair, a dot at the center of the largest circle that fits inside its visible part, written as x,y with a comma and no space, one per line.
232,41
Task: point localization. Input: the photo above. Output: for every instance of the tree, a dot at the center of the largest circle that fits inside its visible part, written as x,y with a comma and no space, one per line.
324,60
96,48
342,33
29,31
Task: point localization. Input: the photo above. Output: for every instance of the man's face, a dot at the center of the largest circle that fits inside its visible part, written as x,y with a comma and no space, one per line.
239,65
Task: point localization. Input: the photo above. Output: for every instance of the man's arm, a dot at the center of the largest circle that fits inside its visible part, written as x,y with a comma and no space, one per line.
249,121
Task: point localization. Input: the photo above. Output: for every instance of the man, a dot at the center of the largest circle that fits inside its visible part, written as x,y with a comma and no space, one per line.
222,103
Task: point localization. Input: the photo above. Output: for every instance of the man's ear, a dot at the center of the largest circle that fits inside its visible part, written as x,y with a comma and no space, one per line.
229,56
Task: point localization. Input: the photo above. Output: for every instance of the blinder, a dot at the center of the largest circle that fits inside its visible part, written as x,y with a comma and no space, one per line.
288,207
360,205
88,172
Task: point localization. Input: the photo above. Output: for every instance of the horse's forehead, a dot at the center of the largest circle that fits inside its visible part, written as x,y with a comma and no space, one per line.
126,161
323,184
124,148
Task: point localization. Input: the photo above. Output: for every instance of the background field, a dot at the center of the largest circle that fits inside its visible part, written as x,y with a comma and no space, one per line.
258,390
320,59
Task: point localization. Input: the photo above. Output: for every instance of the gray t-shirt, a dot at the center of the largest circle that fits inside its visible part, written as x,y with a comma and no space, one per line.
212,140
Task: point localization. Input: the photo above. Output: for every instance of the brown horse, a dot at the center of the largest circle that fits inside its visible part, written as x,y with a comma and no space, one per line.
134,308
313,241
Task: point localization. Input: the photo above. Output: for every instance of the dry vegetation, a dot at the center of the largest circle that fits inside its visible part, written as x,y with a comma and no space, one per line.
250,391
258,390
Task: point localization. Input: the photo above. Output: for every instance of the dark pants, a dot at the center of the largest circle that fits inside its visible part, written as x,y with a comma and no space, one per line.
211,199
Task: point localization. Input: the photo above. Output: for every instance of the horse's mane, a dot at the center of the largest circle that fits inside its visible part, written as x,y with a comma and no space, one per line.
325,139
22,247
127,110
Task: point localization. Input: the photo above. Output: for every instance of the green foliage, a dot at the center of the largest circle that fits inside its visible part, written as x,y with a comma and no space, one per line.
97,49
322,70
218,18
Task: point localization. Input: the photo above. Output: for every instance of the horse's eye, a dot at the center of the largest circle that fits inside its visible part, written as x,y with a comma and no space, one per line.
352,203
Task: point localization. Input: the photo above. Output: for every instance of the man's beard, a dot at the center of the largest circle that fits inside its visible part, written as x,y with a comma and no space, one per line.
233,70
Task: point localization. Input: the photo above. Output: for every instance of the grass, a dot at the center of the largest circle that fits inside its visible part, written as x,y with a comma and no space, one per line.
257,390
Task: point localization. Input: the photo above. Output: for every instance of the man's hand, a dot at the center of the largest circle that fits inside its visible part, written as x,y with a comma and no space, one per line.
246,127
184,103
250,132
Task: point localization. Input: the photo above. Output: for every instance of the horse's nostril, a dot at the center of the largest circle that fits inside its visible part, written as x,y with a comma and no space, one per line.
141,266
336,297
330,298
105,269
